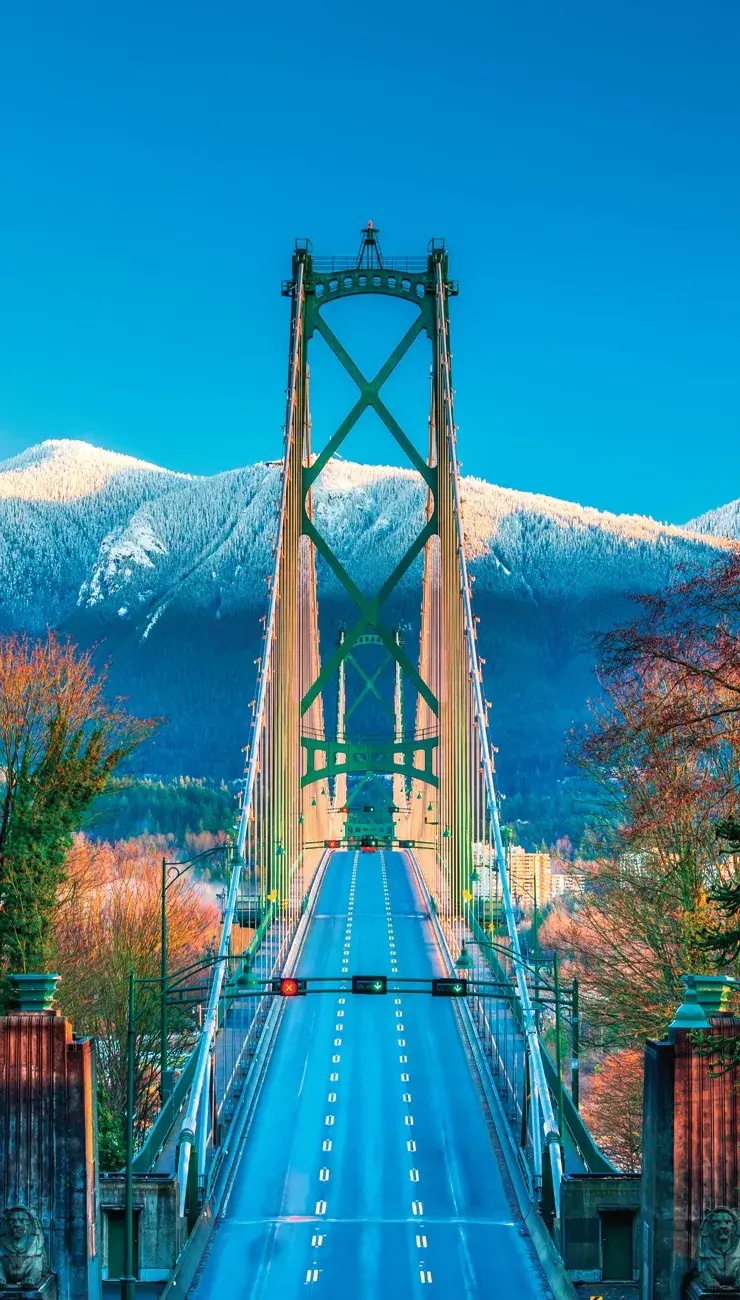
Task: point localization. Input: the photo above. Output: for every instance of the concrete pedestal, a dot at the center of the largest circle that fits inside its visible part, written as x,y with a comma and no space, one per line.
695,1292
691,1156
48,1146
47,1291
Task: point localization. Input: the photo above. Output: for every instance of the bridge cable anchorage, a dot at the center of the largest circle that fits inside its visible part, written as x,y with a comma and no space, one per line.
541,1093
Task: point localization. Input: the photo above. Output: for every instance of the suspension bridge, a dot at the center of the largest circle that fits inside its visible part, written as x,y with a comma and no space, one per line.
369,1108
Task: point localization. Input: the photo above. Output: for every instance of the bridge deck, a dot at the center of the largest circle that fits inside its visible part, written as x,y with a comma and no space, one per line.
369,1170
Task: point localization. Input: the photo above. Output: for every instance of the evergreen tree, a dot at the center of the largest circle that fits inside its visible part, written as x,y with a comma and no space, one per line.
725,942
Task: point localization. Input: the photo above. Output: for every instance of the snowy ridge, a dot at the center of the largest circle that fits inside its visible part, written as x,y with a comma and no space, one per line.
64,469
58,501
89,530
724,522
208,546
122,550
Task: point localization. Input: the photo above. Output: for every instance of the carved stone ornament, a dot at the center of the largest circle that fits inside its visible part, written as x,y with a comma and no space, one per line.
22,1253
718,1259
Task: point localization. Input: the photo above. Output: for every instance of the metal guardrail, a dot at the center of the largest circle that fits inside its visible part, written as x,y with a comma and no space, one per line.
541,1099
189,1125
414,265
158,1134
593,1158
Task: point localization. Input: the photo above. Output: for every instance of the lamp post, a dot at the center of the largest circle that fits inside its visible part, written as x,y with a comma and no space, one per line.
543,989
171,873
128,1281
536,944
247,986
558,1047
575,1047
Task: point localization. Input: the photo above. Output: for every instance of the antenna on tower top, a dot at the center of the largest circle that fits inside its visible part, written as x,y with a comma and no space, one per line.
370,255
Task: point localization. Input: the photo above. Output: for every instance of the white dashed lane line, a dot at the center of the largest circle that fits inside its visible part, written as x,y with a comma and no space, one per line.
417,1206
317,1240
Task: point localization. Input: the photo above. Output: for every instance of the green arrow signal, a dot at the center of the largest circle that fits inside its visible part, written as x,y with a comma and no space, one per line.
448,988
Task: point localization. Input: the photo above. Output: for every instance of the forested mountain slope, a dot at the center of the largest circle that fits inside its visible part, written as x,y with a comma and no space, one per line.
724,522
167,572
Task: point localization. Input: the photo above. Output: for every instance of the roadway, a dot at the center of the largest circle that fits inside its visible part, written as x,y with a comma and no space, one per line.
368,1169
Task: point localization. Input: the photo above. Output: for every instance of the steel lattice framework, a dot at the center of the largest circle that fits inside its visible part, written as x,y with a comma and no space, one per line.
437,755
297,776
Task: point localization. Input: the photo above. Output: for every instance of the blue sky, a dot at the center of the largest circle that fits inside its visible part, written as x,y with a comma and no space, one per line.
581,159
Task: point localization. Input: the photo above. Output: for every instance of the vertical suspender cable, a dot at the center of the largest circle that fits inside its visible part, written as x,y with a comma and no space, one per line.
189,1124
540,1090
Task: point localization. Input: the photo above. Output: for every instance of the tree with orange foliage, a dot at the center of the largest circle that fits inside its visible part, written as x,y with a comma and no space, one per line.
664,750
107,923
60,741
612,1108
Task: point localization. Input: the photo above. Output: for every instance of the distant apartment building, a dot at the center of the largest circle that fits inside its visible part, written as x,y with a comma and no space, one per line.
558,883
565,880
530,875
525,870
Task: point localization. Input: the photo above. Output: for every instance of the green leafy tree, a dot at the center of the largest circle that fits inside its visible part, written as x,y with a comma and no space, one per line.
111,1137
60,742
725,943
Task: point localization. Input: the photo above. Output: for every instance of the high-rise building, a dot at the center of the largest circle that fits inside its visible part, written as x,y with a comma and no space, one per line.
529,873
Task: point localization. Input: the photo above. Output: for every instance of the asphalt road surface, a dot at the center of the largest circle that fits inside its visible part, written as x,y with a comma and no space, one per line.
368,1171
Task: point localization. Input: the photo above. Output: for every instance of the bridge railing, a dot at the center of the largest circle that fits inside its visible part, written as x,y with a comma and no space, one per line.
349,262
545,1135
270,783
238,1025
581,1154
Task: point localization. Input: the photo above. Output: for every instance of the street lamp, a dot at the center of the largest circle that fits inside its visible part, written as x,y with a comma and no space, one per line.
171,873
128,1281
464,962
559,999
248,986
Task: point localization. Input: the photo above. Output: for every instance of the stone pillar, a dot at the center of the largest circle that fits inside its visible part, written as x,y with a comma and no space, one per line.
691,1151
48,1142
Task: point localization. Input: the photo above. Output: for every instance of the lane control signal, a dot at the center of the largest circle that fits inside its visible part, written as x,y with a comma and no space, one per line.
331,844
369,984
290,988
406,844
446,988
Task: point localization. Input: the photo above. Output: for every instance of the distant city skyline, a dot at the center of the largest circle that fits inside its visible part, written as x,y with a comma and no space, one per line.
580,161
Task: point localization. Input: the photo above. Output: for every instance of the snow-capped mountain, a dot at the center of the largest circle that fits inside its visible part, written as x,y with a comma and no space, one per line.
167,571
65,469
58,502
90,529
724,522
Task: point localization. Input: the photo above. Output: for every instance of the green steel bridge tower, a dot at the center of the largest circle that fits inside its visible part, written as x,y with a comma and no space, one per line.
306,779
